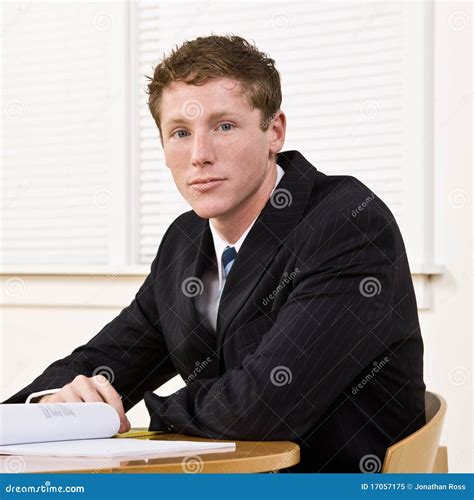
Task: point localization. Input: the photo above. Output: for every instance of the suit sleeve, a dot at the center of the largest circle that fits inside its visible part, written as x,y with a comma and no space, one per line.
130,352
336,320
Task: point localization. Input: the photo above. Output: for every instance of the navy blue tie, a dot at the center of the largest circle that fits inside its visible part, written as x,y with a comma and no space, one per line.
228,257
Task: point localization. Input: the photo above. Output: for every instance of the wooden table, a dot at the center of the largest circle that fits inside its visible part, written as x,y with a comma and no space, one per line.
249,456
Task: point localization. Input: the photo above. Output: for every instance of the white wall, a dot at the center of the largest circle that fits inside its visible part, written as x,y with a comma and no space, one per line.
447,326
44,316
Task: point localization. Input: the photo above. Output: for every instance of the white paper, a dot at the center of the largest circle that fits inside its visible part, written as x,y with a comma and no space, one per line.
116,448
19,463
42,422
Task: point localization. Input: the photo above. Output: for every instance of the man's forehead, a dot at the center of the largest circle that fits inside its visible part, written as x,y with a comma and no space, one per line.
215,99
224,87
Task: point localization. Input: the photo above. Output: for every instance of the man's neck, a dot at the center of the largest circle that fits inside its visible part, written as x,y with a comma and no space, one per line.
232,226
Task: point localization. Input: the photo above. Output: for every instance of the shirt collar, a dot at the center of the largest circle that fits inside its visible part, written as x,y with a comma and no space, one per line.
220,243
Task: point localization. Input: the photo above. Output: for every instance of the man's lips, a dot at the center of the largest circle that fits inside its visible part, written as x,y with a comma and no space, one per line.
202,180
206,184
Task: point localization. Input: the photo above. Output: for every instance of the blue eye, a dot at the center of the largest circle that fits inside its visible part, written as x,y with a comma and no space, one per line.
177,132
230,124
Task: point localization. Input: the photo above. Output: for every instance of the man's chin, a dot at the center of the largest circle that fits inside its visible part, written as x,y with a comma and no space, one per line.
210,212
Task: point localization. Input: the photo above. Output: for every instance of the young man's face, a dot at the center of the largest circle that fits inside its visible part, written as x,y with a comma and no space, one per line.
220,158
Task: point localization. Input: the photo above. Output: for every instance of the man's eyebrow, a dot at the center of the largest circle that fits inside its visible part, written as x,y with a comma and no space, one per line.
182,119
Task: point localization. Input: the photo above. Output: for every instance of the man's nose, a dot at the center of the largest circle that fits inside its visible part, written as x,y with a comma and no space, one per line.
202,152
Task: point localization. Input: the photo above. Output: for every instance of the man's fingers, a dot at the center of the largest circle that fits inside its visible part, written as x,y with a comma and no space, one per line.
112,397
67,395
88,392
91,389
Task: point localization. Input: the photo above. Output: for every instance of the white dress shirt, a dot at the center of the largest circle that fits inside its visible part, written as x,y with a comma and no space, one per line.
208,302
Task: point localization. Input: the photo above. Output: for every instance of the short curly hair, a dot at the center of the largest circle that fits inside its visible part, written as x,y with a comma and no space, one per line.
199,60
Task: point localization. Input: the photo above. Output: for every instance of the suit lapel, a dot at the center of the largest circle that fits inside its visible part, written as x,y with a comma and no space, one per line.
202,257
279,217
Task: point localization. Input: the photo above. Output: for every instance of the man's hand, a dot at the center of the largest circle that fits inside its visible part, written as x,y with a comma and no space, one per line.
90,389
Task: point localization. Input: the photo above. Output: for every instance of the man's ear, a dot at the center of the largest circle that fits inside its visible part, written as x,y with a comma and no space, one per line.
277,132
161,137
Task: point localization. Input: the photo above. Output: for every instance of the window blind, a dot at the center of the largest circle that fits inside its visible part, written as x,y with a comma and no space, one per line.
63,134
354,88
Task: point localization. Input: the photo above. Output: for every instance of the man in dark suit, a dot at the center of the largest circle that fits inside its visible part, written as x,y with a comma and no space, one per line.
284,298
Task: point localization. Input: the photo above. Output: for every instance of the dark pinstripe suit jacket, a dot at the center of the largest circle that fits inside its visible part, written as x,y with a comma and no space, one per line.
317,339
